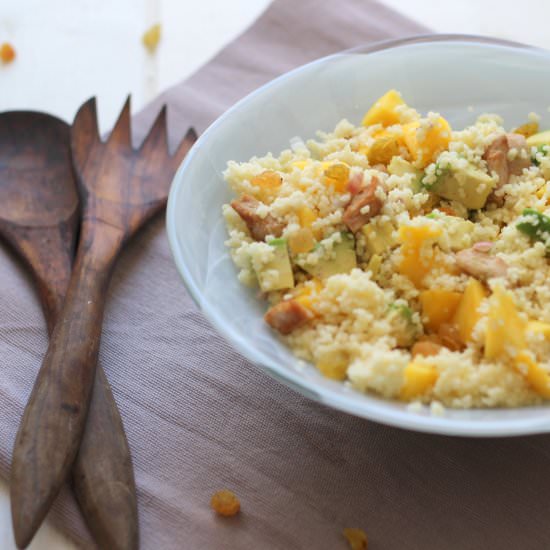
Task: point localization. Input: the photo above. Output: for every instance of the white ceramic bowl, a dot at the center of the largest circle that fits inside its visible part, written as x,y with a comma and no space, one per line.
458,76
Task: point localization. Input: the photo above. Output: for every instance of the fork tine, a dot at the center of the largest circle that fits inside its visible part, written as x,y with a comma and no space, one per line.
157,135
121,131
184,146
84,132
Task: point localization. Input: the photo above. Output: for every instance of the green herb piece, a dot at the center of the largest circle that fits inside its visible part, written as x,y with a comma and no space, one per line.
535,225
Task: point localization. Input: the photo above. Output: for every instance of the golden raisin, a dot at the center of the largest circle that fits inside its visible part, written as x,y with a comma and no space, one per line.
383,150
357,538
338,176
151,37
267,180
527,129
225,503
450,337
7,53
425,348
447,210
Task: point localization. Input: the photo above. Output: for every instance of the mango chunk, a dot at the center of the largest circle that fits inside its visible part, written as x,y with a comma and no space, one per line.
337,175
334,364
302,241
425,140
418,258
537,377
383,150
384,111
419,378
538,327
467,314
505,328
307,294
438,307
306,216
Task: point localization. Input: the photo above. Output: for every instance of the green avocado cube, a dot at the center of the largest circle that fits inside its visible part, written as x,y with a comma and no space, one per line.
342,259
276,274
469,186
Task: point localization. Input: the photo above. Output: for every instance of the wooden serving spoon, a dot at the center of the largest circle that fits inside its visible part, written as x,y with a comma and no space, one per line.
120,189
39,218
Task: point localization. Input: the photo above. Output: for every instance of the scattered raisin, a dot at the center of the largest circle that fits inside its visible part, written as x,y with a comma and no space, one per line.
225,503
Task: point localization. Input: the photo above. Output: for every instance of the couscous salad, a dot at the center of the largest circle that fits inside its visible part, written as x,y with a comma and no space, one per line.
405,257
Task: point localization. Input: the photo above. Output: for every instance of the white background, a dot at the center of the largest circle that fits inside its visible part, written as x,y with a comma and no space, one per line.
70,50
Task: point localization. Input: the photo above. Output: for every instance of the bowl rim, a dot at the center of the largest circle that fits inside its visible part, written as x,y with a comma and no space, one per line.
369,410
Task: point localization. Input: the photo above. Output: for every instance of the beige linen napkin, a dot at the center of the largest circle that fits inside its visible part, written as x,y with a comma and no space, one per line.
199,417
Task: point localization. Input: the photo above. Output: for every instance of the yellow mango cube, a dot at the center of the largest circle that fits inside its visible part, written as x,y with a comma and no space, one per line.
418,258
426,139
438,306
538,327
306,294
301,241
306,216
334,364
505,328
537,377
374,265
467,313
384,110
383,150
419,378
336,175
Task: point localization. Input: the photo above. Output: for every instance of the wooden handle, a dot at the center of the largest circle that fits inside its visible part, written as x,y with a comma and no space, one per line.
51,270
103,476
53,422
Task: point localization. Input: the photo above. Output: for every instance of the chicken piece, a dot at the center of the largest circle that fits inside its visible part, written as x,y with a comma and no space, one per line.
523,158
287,316
496,156
355,183
480,265
362,207
260,228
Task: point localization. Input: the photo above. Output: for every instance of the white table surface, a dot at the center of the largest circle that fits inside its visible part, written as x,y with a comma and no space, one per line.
70,50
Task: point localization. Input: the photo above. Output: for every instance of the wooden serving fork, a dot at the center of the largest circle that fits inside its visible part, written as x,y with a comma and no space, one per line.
121,188
39,218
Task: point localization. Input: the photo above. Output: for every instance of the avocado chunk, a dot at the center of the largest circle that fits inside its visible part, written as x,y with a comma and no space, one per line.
276,274
378,237
469,186
536,140
401,167
341,259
